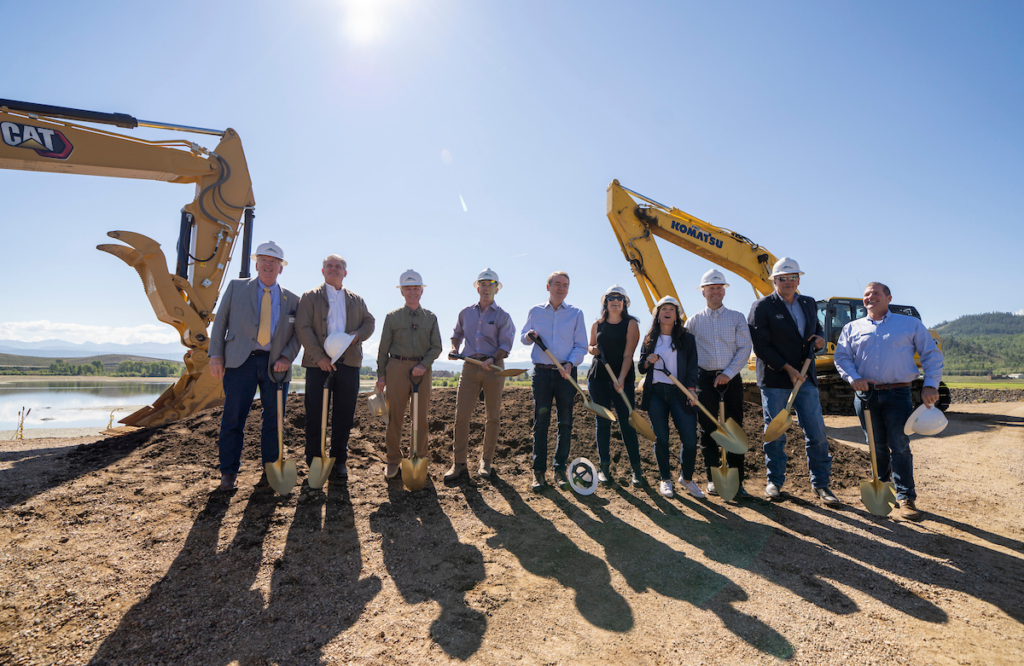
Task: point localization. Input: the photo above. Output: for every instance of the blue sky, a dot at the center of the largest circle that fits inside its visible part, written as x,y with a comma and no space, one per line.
868,140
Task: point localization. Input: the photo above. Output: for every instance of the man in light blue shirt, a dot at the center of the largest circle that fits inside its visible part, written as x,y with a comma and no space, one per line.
876,355
562,329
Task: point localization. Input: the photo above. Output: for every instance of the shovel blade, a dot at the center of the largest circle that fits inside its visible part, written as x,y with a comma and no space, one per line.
737,434
281,475
727,482
512,372
414,473
320,471
603,412
642,426
878,496
727,442
779,425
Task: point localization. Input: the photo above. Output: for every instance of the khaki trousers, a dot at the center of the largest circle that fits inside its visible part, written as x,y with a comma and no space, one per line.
399,394
473,380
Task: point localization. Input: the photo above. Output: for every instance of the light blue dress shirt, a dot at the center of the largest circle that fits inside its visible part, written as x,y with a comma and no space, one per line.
882,352
563,331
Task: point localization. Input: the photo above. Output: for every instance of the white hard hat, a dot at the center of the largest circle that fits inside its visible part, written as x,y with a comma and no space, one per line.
671,301
336,344
410,278
713,277
488,274
615,289
925,421
786,266
583,476
270,249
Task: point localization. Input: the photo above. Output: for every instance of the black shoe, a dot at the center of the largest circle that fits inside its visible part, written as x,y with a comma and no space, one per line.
339,472
638,481
263,482
826,496
742,494
561,479
539,482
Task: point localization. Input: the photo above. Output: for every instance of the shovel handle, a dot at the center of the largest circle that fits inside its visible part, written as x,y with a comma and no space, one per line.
871,445
799,383
323,418
689,395
280,422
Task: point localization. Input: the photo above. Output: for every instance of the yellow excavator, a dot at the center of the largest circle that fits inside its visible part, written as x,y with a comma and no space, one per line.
39,137
636,226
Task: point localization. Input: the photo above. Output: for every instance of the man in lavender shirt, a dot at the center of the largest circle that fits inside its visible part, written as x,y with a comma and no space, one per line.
876,355
487,332
562,329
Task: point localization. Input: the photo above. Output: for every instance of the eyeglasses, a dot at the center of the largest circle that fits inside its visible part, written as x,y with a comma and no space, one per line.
615,297
787,278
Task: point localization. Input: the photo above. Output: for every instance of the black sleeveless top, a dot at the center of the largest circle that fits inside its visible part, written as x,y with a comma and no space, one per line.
611,338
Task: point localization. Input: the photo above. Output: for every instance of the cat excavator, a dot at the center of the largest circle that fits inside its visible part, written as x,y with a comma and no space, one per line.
39,137
636,227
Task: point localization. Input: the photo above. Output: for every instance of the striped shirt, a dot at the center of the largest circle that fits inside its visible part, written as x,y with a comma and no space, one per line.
723,340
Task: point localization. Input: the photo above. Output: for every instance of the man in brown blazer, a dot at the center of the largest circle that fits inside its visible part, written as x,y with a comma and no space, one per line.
326,314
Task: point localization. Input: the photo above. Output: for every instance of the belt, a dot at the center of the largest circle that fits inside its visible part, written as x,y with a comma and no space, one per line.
260,352
480,357
886,387
710,372
545,366
406,358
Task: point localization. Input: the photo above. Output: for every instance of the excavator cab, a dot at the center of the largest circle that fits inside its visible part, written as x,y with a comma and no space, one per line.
835,313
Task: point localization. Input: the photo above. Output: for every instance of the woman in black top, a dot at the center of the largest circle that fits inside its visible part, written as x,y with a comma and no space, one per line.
669,344
616,334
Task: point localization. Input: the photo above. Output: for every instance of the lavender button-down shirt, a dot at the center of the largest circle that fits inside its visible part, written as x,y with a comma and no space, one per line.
563,331
484,331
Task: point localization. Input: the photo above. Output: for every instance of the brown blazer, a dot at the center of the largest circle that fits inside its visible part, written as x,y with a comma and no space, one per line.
311,326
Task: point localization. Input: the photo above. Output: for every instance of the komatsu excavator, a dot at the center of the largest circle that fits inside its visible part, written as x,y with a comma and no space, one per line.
38,137
636,226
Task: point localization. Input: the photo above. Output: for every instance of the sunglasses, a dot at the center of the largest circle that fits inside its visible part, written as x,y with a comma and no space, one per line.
616,297
488,283
788,278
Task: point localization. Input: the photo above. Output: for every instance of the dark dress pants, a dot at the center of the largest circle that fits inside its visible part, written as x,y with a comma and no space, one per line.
344,390
708,396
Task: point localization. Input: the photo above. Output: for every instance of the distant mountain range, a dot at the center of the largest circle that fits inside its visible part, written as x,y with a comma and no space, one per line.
989,323
989,342
172,351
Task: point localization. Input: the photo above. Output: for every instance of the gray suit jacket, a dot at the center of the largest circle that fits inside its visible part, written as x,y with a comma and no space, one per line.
311,326
238,321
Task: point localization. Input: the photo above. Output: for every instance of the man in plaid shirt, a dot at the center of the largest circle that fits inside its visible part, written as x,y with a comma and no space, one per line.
723,348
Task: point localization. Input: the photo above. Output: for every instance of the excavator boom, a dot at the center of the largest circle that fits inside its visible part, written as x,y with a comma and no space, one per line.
36,137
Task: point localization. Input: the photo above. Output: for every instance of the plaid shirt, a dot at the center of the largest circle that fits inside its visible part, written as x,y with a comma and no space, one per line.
723,340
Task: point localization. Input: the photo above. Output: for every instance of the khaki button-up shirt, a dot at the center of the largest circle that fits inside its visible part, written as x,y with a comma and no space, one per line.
409,333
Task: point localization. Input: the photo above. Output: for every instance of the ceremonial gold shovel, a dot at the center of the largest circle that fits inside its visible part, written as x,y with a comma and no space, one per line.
414,469
501,372
730,436
878,496
281,474
320,467
725,478
781,422
638,422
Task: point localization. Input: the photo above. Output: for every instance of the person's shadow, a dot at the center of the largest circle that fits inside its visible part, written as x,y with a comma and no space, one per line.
545,551
426,560
650,564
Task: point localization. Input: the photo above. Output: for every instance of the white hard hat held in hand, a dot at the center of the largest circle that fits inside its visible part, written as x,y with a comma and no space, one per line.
926,421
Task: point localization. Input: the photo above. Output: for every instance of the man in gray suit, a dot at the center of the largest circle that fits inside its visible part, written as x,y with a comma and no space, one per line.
325,312
253,338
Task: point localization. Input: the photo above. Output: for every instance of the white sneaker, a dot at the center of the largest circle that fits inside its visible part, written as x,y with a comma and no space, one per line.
772,491
711,488
692,486
666,489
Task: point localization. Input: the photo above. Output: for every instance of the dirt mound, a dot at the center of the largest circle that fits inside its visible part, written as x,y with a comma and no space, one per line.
962,396
194,441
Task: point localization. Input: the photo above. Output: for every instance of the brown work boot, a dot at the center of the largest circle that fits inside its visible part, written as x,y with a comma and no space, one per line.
228,481
390,471
909,512
485,468
458,469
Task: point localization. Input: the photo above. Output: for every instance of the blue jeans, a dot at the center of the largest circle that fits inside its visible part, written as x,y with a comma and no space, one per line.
548,385
604,394
807,407
666,400
240,386
889,413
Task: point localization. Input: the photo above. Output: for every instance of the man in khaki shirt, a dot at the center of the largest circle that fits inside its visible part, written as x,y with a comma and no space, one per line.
330,310
410,342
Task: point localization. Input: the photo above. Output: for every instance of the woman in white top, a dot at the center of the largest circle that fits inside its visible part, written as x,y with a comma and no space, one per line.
669,345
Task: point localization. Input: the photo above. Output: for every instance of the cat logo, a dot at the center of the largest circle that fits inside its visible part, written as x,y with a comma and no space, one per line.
45,141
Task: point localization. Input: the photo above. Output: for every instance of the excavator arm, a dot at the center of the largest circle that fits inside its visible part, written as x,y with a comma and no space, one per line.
35,137
637,224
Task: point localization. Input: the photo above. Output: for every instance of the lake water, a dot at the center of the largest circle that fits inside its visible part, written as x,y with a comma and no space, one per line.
85,403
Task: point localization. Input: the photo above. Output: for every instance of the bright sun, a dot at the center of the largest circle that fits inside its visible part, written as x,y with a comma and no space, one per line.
364,19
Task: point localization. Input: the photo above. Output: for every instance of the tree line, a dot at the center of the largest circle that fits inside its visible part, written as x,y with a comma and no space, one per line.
123,369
